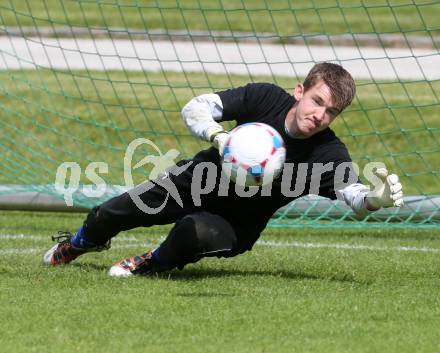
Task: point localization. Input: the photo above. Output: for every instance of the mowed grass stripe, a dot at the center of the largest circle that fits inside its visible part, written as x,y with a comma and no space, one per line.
275,16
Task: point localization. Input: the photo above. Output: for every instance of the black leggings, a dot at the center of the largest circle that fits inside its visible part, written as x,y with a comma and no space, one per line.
197,232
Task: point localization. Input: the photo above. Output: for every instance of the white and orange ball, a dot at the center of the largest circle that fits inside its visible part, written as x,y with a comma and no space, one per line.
253,155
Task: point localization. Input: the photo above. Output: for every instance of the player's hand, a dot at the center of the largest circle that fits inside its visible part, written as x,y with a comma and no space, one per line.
219,141
388,194
218,137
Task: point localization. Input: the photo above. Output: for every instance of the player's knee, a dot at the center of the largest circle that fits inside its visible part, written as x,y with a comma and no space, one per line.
215,235
196,236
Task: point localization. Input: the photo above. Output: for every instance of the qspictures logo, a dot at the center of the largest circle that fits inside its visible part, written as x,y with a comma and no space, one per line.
161,162
204,178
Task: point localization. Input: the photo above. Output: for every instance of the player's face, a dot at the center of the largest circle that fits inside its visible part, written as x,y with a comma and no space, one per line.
313,112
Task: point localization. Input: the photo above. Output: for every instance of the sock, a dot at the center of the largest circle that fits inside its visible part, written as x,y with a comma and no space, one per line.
156,255
159,262
78,240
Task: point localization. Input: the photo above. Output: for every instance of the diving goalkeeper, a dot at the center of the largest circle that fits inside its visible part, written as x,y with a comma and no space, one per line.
225,226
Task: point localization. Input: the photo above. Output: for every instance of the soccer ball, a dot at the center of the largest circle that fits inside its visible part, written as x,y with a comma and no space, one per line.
253,155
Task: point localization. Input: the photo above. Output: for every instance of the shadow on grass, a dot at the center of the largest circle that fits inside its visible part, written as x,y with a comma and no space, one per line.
205,295
195,274
90,266
198,274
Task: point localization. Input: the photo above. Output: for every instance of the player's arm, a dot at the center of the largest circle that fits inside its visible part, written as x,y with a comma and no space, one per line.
241,104
386,193
201,115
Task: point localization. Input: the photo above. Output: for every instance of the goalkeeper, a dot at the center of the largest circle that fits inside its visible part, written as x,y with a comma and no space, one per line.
225,226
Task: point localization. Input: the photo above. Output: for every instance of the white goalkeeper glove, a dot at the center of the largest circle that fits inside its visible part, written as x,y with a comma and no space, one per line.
388,194
218,137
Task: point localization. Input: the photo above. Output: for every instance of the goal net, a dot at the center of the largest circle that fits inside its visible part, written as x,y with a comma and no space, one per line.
81,80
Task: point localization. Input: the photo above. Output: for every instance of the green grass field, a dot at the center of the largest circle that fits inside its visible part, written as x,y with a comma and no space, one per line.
299,290
282,17
304,290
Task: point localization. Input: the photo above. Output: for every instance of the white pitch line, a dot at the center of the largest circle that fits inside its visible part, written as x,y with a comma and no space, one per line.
25,251
294,244
47,238
22,236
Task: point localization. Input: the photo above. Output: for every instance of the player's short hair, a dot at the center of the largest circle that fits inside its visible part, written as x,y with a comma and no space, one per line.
338,79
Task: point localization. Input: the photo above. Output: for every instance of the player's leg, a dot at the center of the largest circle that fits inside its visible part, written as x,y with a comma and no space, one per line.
195,236
113,216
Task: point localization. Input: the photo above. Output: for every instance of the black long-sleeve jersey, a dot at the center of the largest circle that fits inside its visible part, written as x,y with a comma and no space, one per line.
269,104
